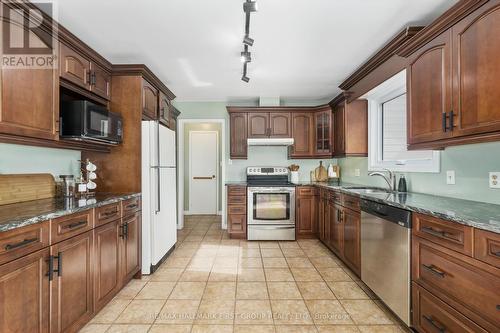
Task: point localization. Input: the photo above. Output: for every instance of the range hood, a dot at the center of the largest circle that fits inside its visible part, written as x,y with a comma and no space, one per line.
270,142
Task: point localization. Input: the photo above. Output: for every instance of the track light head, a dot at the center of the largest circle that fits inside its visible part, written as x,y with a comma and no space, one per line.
245,78
248,41
246,56
250,6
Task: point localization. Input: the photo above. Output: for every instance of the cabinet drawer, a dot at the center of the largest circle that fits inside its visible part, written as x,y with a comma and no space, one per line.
237,200
430,314
68,226
237,224
335,197
237,190
350,202
463,282
239,210
487,247
131,206
306,191
452,235
19,242
107,213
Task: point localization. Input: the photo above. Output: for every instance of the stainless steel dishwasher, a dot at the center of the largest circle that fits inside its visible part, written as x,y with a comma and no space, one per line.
385,255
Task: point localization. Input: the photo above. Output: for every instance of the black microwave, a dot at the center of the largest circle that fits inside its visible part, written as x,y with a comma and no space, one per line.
85,121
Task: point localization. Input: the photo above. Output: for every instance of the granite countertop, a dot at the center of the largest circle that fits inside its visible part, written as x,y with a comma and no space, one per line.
479,215
26,213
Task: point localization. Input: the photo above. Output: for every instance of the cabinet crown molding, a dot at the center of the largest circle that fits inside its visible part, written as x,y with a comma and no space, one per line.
438,26
235,109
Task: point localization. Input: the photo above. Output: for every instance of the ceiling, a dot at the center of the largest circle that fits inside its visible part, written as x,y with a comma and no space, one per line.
302,50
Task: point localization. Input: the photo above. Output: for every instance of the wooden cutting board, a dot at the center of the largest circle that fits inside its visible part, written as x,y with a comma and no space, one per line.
320,173
26,187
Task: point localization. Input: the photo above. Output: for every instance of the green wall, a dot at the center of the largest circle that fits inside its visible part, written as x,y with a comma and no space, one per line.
471,164
27,159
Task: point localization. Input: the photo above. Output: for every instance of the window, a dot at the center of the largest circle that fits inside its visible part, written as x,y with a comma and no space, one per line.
387,146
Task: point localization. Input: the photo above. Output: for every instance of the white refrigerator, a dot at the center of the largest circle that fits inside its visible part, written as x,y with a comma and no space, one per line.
159,193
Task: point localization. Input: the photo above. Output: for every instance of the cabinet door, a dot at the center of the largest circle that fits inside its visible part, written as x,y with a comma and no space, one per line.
238,133
100,81
107,263
306,217
29,103
336,230
149,100
164,115
258,125
321,217
131,252
71,288
74,67
476,69
322,132
339,131
302,131
24,294
280,125
429,91
352,235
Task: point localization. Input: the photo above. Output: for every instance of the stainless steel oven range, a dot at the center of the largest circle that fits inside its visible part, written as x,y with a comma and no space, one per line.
271,204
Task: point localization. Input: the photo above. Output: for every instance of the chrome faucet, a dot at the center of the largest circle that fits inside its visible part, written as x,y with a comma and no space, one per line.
390,180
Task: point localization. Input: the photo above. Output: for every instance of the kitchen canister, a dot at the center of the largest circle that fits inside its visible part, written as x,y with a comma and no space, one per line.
294,177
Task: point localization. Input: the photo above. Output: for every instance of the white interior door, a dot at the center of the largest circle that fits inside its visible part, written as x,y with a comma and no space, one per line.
203,169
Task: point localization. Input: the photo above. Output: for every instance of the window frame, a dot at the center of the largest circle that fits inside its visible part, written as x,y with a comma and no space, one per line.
386,91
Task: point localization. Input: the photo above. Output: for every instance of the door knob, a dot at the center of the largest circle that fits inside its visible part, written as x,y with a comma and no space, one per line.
213,176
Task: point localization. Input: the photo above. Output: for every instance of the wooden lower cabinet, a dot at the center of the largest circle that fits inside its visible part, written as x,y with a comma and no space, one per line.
24,294
336,230
107,263
71,287
236,211
131,246
321,216
352,242
306,215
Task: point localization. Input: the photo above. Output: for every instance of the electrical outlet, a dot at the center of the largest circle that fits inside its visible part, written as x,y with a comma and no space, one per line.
494,179
450,177
357,173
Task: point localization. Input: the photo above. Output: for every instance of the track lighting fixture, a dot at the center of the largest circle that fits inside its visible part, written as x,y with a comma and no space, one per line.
248,41
250,6
246,56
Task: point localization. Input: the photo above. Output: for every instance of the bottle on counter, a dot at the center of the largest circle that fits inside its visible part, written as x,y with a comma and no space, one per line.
402,186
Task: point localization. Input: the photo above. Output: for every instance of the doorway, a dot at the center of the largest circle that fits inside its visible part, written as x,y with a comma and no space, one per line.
185,197
203,172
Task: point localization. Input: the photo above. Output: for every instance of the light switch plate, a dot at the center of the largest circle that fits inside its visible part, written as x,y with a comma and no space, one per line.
357,173
494,179
450,177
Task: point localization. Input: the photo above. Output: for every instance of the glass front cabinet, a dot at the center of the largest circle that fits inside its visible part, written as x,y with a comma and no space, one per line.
323,133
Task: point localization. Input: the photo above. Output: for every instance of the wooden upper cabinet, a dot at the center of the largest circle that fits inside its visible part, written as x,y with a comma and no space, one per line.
323,133
258,125
339,130
164,115
24,293
280,126
302,132
238,135
100,80
71,288
29,103
429,91
74,67
149,100
476,71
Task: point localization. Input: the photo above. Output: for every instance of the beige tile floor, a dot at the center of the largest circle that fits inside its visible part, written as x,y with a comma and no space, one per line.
211,283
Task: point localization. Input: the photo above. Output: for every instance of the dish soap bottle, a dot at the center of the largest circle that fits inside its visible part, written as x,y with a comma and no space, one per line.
402,184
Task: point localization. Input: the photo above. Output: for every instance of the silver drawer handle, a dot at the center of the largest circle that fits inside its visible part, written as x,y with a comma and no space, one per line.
273,227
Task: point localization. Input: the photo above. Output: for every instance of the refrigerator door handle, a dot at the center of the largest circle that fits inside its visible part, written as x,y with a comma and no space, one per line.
158,191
